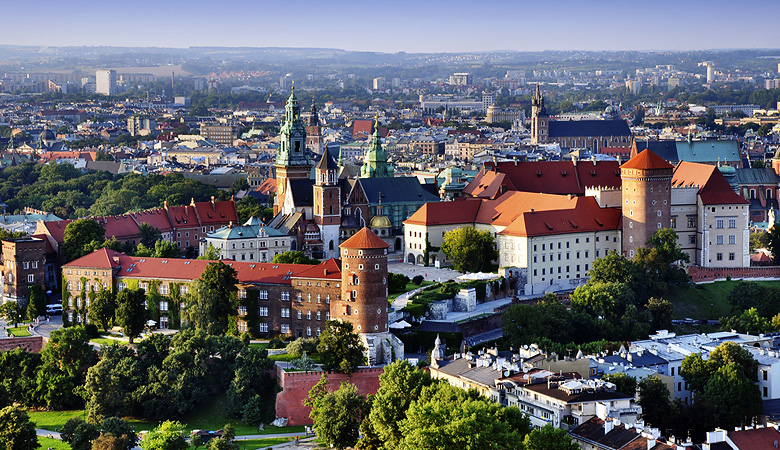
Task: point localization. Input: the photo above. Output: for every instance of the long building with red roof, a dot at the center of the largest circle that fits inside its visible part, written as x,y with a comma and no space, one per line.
551,220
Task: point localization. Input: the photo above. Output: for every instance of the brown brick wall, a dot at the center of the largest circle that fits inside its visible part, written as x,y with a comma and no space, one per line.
308,303
706,274
367,308
645,193
296,386
32,344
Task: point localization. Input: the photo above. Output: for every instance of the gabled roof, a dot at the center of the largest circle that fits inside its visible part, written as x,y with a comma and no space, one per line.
551,177
665,148
302,192
191,269
582,128
364,239
710,150
713,187
154,217
99,259
758,438
489,184
585,216
647,160
326,162
396,190
216,212
443,213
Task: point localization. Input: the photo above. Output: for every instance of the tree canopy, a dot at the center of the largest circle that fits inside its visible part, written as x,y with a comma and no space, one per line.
470,250
131,314
17,432
293,258
340,349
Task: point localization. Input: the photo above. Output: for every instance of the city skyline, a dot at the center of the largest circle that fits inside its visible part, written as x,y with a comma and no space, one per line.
414,27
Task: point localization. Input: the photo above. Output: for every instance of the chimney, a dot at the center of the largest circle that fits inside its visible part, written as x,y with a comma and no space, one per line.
325,272
116,259
192,201
608,425
213,206
650,443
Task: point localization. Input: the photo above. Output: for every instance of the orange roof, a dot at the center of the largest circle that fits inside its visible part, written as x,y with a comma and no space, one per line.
99,259
268,186
329,269
647,160
584,215
445,213
713,187
365,239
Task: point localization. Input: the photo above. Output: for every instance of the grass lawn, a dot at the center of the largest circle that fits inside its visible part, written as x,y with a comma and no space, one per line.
252,444
706,301
258,345
54,420
19,331
107,341
54,444
409,287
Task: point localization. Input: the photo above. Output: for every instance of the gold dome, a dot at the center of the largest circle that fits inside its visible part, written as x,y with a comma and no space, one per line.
380,222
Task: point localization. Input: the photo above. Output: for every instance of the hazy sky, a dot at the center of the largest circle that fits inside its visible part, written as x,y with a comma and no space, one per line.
397,25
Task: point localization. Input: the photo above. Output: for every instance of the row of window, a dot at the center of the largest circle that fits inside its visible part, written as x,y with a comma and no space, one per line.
544,270
732,256
719,222
732,239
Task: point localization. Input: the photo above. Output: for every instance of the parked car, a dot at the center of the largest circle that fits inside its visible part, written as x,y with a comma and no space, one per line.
54,310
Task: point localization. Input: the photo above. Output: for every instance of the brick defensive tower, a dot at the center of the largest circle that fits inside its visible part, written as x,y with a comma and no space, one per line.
363,300
646,185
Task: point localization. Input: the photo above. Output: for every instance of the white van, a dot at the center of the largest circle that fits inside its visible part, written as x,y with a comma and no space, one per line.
54,310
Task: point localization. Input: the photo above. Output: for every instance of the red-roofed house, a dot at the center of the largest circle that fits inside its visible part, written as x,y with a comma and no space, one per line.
554,238
273,298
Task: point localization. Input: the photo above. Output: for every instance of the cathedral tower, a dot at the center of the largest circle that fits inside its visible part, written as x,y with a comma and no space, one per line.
540,121
327,203
375,163
314,140
646,185
292,158
363,300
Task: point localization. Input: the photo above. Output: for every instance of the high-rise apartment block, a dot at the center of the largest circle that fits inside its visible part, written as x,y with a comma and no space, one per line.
105,81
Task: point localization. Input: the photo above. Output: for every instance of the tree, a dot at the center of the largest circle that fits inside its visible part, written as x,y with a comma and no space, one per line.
17,432
661,313
733,397
107,441
121,430
212,254
64,363
447,417
616,268
131,314
603,299
168,436
659,261
293,258
527,324
654,398
10,312
549,438
36,302
83,436
82,236
399,385
470,250
149,234
68,430
102,309
207,309
337,416
340,349
624,384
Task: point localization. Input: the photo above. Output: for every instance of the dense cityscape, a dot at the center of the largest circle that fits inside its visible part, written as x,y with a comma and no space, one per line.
246,247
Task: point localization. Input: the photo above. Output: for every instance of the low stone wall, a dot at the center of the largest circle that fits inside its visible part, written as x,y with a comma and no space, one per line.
710,274
32,344
296,386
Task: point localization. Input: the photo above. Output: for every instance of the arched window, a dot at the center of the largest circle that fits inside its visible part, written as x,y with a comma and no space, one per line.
354,279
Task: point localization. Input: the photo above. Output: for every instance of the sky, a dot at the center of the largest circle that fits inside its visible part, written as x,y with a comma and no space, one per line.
396,25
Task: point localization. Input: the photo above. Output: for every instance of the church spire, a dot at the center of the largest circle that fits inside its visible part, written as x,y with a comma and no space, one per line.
314,118
292,147
375,162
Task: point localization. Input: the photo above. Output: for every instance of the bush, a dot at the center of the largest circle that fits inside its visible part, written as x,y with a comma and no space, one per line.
92,330
276,343
418,280
300,345
397,282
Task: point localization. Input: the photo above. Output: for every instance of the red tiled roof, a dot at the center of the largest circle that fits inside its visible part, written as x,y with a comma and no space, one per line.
191,269
489,184
445,213
56,229
509,206
268,186
365,239
329,269
154,217
647,160
551,177
756,439
585,216
100,259
216,212
47,247
713,187
54,156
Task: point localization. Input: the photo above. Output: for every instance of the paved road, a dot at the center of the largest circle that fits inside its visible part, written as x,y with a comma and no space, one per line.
45,328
